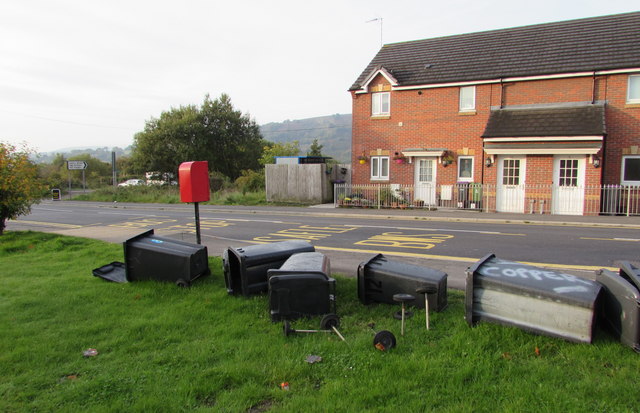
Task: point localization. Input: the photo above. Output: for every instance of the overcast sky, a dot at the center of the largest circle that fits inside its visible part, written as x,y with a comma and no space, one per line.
76,73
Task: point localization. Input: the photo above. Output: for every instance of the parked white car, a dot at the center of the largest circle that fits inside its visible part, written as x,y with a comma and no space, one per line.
131,182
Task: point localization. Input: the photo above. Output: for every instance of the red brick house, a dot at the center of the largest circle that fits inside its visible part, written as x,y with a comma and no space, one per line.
542,116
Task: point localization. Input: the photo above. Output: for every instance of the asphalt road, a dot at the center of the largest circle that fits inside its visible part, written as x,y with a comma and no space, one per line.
351,237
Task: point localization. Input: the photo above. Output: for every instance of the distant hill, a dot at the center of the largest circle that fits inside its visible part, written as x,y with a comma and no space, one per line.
333,132
103,154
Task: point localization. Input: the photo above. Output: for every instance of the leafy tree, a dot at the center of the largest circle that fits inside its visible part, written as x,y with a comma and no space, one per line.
56,174
315,149
97,173
214,132
19,184
271,150
124,167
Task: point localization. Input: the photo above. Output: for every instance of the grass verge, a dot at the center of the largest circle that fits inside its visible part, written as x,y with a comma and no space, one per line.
169,195
162,348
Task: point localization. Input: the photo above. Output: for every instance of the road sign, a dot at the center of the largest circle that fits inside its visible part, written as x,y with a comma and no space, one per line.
71,165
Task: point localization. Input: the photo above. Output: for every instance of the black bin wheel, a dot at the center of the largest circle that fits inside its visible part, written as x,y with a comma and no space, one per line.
403,298
329,321
180,282
384,340
286,328
426,289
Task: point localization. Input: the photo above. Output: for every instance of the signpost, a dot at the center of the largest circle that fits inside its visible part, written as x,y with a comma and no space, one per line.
75,166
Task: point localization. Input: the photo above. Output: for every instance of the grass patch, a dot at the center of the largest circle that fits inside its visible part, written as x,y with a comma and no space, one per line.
162,348
169,195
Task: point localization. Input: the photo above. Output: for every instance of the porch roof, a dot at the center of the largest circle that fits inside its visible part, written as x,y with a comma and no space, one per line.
568,120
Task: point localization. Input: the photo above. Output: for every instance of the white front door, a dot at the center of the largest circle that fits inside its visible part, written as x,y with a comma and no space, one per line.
425,180
568,185
511,183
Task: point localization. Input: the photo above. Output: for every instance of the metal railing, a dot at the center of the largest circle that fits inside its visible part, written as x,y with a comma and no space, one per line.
525,199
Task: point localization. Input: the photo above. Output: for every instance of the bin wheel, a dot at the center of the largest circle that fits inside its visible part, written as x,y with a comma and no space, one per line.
286,328
398,315
384,340
182,283
329,321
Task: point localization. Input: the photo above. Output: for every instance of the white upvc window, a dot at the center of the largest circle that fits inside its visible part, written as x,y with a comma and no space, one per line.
380,168
467,98
465,169
381,104
630,170
633,89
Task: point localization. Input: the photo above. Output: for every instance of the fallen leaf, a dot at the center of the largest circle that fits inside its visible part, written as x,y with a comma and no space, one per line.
537,350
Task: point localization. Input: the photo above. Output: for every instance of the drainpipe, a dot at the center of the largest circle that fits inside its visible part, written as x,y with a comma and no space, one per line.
593,89
483,165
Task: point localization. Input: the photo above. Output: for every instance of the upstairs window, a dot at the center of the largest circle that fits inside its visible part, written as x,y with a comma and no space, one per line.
633,91
467,99
380,104
379,167
631,170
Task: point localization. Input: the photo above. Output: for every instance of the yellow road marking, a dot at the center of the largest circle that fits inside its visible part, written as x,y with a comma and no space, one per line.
443,230
467,259
400,240
49,224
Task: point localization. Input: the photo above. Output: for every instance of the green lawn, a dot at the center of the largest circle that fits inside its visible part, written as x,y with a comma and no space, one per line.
163,348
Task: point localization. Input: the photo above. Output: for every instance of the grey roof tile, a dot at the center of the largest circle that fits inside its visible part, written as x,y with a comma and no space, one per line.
597,43
575,120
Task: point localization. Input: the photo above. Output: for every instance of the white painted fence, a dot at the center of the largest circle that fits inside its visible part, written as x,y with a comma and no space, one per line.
526,199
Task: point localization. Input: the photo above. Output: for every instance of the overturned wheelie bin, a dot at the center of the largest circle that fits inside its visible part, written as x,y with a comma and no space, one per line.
379,279
533,299
149,257
621,303
302,287
245,268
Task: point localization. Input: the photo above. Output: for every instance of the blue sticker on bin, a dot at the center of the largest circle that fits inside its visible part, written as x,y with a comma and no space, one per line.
157,241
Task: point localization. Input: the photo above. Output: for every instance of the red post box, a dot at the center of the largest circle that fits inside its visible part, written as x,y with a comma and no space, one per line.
194,181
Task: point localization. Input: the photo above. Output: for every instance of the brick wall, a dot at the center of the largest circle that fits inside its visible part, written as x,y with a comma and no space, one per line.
429,118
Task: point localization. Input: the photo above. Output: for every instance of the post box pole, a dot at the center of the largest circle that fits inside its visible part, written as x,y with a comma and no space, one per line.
197,213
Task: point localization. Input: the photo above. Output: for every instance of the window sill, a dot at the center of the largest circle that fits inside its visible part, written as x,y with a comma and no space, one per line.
632,105
380,179
379,117
467,113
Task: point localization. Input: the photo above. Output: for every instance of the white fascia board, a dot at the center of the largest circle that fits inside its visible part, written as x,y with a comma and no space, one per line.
423,153
546,139
541,151
516,79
